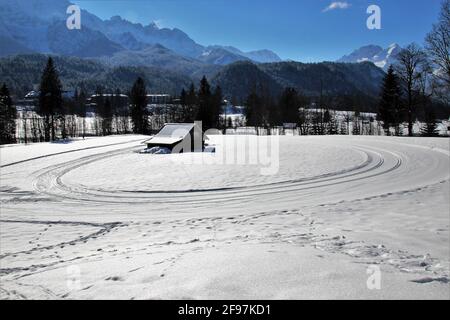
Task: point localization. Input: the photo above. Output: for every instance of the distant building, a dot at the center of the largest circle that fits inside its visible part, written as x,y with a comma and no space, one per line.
179,138
159,99
119,102
158,104
32,95
289,125
31,100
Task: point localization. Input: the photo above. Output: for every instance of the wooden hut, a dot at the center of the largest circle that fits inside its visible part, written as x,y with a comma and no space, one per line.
179,138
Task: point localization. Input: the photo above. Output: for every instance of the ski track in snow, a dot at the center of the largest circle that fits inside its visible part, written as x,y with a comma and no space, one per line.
167,225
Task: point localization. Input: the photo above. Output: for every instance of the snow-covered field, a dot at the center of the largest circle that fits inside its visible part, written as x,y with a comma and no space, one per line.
96,219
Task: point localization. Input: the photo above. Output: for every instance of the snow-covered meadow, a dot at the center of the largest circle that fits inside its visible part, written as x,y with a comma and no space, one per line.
340,217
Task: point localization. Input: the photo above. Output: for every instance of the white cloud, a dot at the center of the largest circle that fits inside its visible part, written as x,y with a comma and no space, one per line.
337,5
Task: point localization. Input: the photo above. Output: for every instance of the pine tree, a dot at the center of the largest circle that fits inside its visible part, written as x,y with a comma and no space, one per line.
184,106
80,102
192,106
216,108
289,105
99,103
270,116
74,105
115,103
50,99
8,115
139,114
106,114
430,127
389,108
326,116
104,111
356,130
81,108
273,112
326,121
205,112
252,110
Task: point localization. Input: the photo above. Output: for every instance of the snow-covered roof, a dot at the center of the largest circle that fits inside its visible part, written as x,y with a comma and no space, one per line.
109,95
32,94
176,129
164,140
159,95
172,133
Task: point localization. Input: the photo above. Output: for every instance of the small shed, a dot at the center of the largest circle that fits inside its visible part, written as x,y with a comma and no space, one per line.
179,138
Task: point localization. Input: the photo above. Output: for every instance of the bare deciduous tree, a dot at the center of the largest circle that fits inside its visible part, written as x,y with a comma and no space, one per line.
411,65
438,48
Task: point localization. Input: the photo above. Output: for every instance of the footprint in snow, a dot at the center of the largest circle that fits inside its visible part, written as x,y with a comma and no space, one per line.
114,278
429,279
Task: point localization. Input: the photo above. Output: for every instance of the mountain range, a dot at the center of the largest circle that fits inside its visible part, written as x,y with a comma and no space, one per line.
39,26
114,52
382,58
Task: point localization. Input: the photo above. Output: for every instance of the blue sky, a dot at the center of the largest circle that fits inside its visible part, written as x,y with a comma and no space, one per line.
295,29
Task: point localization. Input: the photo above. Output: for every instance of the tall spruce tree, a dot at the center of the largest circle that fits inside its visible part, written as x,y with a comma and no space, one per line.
289,106
191,101
216,107
273,112
389,108
184,106
81,108
106,114
205,105
356,130
139,113
8,115
99,102
50,99
252,111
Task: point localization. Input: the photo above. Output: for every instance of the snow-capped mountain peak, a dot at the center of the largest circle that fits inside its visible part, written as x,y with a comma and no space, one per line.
382,58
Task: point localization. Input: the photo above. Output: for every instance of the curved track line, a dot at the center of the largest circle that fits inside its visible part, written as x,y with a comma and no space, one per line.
50,182
65,152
